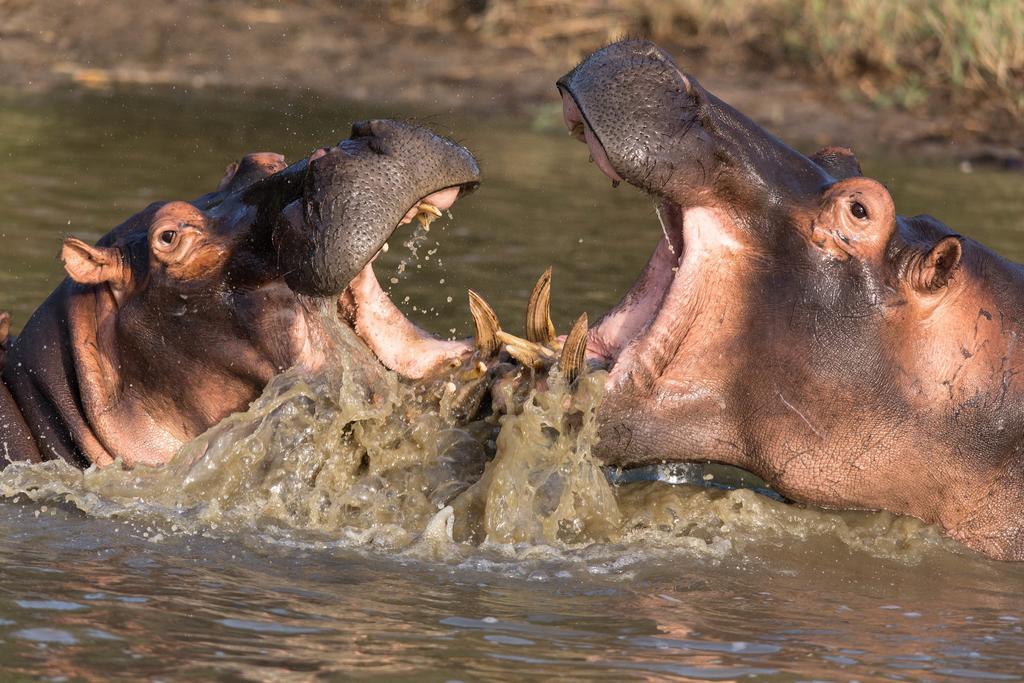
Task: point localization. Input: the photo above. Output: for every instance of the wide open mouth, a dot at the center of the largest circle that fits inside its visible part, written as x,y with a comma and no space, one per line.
347,200
635,314
398,343
415,353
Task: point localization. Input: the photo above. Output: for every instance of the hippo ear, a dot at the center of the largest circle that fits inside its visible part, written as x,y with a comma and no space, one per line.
937,267
229,173
89,265
838,162
250,169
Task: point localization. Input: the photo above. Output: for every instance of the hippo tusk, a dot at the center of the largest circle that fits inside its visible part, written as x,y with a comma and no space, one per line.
539,328
525,351
428,208
490,336
426,213
487,325
574,352
528,352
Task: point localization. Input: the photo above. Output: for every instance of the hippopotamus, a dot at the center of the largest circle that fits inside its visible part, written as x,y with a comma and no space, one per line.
181,315
791,323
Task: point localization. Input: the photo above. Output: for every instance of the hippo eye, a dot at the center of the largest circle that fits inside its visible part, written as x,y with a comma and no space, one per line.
858,211
167,237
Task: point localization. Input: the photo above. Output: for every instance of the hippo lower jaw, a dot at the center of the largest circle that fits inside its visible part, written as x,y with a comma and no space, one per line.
398,343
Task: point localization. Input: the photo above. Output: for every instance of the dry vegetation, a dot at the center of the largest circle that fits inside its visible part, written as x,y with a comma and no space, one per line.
909,53
916,72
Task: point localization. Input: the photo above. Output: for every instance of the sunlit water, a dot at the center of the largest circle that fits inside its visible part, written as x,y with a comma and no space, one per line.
273,549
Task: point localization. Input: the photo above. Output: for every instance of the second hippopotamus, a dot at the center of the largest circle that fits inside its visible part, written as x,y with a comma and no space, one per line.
791,323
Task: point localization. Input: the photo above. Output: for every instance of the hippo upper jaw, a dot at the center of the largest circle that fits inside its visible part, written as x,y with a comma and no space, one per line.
353,197
657,128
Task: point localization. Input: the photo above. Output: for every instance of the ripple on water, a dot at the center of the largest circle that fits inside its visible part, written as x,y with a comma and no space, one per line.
46,635
268,627
45,605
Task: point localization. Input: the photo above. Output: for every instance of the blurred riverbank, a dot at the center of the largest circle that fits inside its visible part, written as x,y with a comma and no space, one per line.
504,55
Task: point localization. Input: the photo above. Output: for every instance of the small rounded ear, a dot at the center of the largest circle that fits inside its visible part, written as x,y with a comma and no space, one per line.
250,169
839,162
229,173
935,270
856,220
89,265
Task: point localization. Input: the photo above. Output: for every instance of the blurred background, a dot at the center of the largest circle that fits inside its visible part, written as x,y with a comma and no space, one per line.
914,72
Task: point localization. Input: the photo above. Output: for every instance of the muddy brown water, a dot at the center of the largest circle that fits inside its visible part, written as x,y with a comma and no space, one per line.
274,556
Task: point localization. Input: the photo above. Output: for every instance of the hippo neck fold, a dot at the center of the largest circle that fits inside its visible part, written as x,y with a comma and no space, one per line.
42,379
91,322
76,399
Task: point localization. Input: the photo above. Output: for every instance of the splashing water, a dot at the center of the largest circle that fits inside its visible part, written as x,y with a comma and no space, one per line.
413,244
352,455
348,449
543,486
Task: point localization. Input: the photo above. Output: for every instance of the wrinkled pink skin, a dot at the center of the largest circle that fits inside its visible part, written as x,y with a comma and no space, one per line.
791,323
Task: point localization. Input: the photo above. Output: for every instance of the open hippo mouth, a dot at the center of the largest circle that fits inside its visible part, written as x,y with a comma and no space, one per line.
333,213
636,312
689,338
636,315
719,183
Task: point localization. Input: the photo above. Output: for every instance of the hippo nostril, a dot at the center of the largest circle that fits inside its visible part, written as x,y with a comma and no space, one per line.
369,130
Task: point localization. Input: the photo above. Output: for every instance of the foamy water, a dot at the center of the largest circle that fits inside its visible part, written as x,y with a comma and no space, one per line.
355,455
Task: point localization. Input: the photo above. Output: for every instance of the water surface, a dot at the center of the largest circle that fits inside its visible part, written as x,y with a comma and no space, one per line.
697,583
